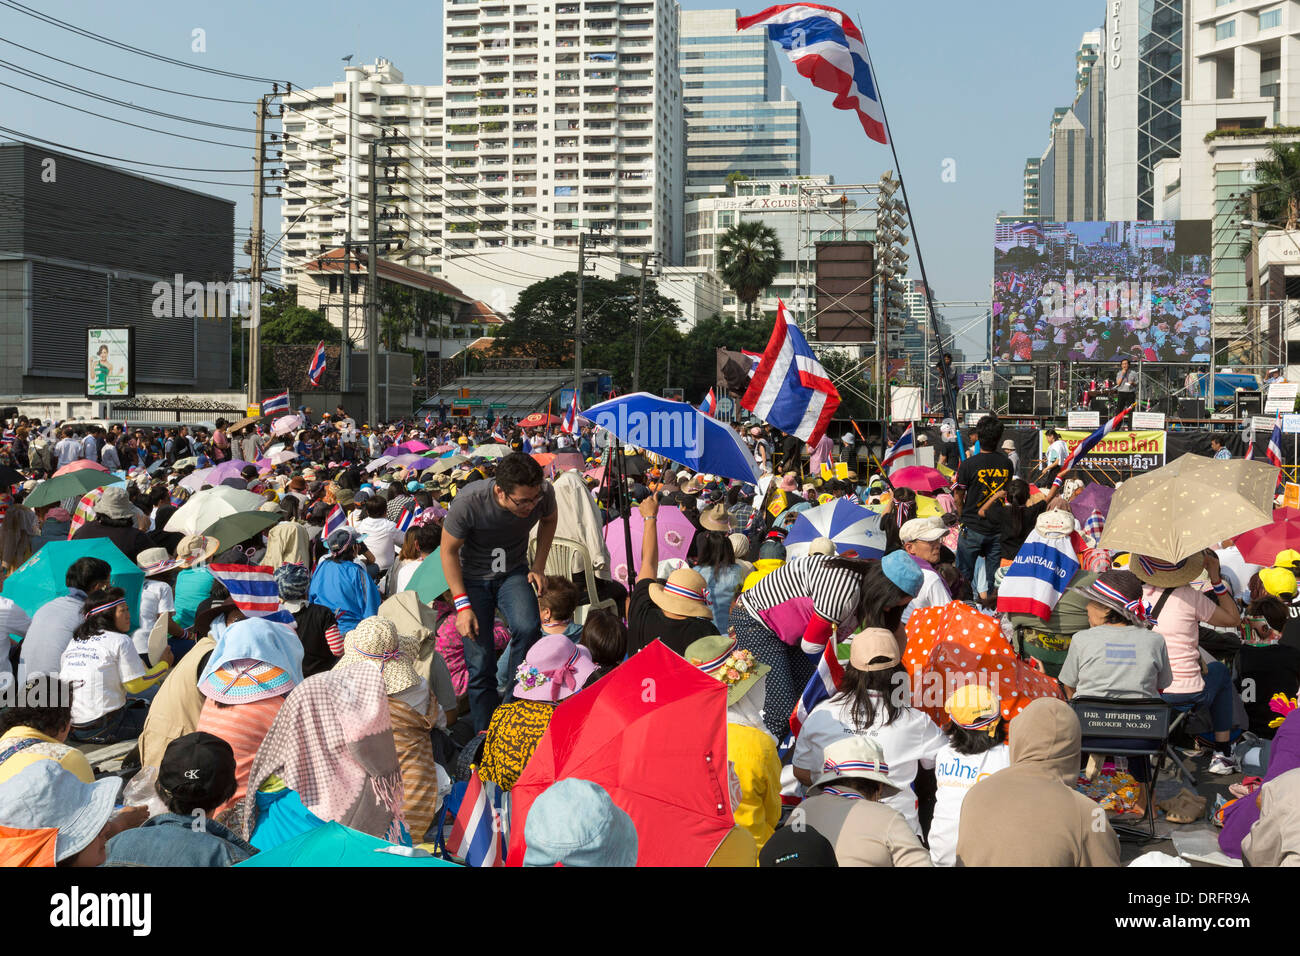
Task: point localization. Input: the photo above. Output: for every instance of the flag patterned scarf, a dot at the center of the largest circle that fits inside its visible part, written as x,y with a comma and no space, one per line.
1038,576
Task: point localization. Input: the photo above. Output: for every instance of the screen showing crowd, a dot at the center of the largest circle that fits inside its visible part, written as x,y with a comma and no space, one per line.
1099,292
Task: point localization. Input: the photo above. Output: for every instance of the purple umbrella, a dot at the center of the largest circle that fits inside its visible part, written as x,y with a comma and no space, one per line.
227,469
1094,497
675,535
413,461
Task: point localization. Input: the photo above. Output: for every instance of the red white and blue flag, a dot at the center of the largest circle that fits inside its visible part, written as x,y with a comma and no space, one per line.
904,448
334,520
479,834
827,47
316,369
821,686
253,589
1085,446
276,403
790,390
710,404
569,425
408,516
1015,286
1275,445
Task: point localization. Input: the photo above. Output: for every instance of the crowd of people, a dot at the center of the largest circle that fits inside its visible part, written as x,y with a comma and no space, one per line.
383,628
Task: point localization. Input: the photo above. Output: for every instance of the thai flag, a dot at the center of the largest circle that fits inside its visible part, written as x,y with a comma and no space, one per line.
710,404
1016,287
826,46
479,834
1085,446
334,520
790,390
497,434
428,422
570,423
408,516
316,369
253,589
1275,445
1038,576
276,403
821,686
905,447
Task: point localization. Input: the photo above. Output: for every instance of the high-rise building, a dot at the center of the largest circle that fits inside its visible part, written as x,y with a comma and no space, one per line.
1066,183
739,118
1031,206
327,131
562,118
1143,54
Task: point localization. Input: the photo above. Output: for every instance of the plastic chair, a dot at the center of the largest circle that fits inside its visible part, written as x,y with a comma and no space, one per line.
565,558
1146,723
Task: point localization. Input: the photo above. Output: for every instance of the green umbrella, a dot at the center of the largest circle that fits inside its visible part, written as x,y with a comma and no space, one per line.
333,845
41,578
428,581
72,485
236,528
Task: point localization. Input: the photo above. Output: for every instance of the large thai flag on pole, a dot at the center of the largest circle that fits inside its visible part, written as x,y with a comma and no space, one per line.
1085,446
316,368
276,403
253,589
900,450
569,424
479,834
826,46
790,390
1275,445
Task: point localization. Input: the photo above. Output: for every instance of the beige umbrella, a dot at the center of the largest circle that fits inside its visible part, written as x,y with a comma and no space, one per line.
447,464
1178,510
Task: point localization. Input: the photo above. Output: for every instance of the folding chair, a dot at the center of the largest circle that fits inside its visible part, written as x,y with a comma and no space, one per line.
565,558
1144,722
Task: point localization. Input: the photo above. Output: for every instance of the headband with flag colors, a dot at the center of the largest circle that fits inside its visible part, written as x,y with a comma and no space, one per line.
252,587
276,403
826,46
316,368
710,404
1081,450
790,390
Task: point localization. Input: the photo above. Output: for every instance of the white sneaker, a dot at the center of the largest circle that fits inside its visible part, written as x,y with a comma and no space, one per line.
1221,765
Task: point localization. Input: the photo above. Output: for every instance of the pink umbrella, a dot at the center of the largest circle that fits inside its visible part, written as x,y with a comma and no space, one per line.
413,445
598,472
277,458
77,466
286,424
918,478
197,479
442,448
227,469
675,535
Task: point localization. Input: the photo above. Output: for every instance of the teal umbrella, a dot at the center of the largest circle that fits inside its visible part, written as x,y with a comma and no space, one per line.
333,844
41,578
72,485
428,581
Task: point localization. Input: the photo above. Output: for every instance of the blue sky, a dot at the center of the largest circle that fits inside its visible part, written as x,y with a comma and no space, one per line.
966,82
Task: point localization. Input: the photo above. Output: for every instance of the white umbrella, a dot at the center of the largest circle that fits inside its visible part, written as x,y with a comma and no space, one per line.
286,424
379,463
209,506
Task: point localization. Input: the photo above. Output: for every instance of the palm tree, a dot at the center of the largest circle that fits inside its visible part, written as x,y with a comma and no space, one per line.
749,258
1278,190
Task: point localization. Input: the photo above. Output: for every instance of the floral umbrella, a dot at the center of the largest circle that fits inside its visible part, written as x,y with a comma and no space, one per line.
675,535
952,645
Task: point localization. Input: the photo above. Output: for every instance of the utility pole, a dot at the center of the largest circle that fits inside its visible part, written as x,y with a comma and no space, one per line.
255,269
640,316
583,238
345,353
372,305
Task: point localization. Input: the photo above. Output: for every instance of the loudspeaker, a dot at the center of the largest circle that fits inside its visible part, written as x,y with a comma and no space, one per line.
1044,373
1022,400
1101,403
1191,408
1250,401
1043,402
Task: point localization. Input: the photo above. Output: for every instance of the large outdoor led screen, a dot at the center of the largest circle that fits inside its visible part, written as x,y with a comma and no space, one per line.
1101,291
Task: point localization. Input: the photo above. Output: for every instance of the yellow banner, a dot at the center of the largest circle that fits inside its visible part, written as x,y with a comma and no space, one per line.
1128,450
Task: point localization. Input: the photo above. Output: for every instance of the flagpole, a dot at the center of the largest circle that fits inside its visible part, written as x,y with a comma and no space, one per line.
911,218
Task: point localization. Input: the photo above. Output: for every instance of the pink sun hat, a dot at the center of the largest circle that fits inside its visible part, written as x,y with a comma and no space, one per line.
555,668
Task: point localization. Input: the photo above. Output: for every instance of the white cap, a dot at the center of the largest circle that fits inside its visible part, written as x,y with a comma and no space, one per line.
922,529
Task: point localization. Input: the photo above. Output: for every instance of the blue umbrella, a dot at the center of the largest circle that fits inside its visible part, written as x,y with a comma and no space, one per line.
41,578
678,431
851,527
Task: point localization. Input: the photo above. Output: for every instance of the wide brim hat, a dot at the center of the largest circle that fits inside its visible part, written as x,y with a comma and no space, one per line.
684,593
1165,574
155,561
715,518
718,656
375,640
246,682
787,483
858,758
554,669
197,549
44,796
1100,591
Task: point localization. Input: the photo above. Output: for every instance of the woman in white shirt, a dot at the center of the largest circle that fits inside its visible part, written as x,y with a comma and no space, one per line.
873,701
103,667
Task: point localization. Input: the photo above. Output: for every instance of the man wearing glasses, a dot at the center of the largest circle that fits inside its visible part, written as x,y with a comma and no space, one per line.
484,556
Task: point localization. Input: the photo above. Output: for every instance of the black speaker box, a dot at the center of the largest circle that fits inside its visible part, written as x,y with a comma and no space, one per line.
1191,408
1021,400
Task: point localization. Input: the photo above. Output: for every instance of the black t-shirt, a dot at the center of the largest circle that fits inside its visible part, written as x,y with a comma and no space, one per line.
949,453
1015,532
312,623
646,623
982,476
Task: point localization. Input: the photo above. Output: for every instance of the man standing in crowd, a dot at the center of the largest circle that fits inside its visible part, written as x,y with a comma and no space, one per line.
979,478
1057,452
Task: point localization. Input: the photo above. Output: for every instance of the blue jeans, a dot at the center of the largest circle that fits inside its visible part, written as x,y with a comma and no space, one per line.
514,597
975,544
1217,692
125,723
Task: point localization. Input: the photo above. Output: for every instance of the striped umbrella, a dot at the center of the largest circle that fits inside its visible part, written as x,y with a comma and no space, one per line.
851,527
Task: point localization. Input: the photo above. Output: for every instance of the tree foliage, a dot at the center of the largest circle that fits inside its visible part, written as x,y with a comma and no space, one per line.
1278,189
749,259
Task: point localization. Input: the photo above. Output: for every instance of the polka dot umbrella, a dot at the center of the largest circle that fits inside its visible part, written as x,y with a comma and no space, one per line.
953,645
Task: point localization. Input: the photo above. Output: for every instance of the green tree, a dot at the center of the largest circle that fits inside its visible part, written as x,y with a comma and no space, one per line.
749,258
1278,189
284,322
396,314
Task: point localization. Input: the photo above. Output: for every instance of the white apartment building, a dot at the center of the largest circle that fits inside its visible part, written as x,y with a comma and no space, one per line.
562,117
326,134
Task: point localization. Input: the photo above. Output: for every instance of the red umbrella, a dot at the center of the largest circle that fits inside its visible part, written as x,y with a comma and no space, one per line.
538,419
1262,545
77,466
544,458
654,735
918,478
